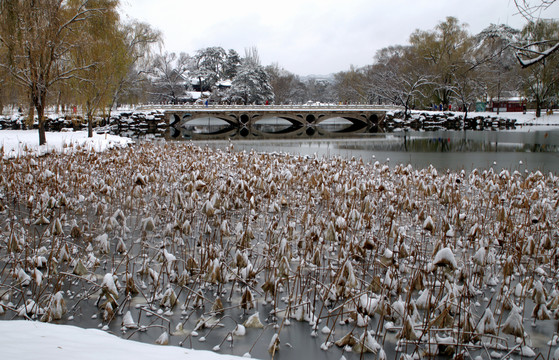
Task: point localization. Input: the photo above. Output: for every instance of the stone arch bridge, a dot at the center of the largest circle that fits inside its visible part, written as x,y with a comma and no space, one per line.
301,115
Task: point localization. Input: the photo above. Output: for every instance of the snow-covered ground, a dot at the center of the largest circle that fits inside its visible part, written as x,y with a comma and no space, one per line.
16,143
524,119
23,340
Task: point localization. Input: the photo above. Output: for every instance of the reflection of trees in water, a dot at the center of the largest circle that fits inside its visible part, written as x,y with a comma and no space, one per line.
441,142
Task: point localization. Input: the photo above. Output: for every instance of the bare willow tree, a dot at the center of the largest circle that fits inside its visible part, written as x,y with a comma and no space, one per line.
112,49
533,53
38,36
399,76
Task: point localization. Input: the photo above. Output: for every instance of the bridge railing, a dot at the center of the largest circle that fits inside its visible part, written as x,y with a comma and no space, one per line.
330,107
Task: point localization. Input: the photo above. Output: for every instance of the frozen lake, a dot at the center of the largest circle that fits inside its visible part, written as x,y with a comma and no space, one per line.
524,148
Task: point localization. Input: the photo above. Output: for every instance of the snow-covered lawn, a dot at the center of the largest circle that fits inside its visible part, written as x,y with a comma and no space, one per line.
16,143
521,119
524,119
22,340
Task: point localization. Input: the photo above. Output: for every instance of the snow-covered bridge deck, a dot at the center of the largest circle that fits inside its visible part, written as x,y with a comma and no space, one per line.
299,115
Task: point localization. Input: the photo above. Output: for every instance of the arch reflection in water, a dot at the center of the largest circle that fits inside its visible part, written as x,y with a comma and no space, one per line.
209,125
272,127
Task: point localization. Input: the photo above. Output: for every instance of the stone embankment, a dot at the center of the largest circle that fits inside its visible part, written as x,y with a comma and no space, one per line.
125,120
138,120
447,120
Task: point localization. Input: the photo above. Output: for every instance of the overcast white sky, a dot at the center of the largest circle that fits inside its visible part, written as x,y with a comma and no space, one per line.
311,36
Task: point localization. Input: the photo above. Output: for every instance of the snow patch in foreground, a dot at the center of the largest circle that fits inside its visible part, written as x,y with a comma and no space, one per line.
22,340
17,143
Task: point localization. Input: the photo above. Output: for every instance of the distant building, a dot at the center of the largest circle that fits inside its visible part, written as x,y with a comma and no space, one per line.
506,104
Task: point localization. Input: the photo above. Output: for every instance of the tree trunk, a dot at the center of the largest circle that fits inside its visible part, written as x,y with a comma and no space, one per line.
538,108
89,112
406,111
41,115
39,100
31,115
89,126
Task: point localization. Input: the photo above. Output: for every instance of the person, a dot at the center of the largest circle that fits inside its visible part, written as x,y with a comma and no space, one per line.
206,103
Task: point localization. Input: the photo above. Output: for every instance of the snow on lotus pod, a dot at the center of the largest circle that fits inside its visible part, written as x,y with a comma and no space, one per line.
76,232
121,246
64,253
169,298
108,312
408,331
240,330
241,259
57,228
206,322
42,220
366,344
148,224
139,179
214,273
445,258
487,324
429,225
23,278
168,257
479,257
163,339
368,305
224,228
349,275
208,209
217,306
80,269
526,351
247,299
108,285
539,294
382,355
513,324
347,340
56,308
253,322
103,243
30,308
330,235
541,312
425,300
274,345
15,242
119,216
130,284
37,276
128,321
553,304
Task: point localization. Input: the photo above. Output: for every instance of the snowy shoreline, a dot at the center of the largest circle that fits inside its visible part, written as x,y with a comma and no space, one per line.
16,143
22,340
